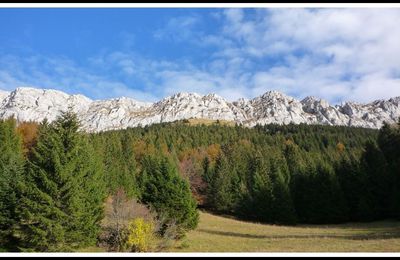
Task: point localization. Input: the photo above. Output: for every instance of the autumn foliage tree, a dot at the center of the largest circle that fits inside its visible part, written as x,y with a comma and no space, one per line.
29,132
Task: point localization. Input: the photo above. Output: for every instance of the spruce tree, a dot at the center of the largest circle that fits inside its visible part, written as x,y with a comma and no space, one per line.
379,181
257,203
304,193
330,204
129,178
220,192
61,204
11,174
282,205
168,194
353,184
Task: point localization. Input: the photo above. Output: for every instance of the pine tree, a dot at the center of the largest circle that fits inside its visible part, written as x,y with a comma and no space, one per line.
330,201
353,184
282,205
11,174
220,195
62,198
379,183
168,194
257,203
130,166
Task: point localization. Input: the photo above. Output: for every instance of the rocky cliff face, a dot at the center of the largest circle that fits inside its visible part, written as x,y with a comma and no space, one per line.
30,104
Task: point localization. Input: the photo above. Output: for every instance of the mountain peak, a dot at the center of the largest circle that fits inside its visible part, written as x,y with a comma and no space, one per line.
213,95
185,95
310,99
274,94
32,104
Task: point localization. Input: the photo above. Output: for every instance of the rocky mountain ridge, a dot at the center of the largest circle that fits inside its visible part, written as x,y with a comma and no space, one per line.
31,104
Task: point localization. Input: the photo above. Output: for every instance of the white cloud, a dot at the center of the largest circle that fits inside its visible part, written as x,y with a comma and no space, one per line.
375,86
341,50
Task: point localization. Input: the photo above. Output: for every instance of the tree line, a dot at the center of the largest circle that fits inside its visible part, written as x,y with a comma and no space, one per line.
55,178
284,174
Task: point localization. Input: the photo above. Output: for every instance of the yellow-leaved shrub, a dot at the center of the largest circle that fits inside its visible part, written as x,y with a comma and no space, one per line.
140,235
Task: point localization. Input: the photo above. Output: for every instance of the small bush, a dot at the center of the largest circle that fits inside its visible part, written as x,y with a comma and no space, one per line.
119,212
127,219
140,235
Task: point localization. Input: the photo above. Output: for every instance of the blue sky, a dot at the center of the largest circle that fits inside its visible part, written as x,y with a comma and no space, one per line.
148,54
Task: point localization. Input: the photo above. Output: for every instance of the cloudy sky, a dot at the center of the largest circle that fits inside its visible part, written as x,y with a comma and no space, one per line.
147,54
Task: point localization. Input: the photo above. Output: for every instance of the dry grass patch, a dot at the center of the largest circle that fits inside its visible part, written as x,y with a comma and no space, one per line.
204,121
220,234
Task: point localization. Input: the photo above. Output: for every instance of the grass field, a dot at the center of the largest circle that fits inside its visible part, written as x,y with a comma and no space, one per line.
220,234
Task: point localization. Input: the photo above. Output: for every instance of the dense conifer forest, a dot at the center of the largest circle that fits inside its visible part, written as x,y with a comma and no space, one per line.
55,179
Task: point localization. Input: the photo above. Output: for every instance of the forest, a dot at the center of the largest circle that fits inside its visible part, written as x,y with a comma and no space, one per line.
63,189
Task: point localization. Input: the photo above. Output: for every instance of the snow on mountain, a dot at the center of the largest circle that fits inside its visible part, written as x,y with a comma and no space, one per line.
187,105
322,112
275,107
113,114
31,104
372,115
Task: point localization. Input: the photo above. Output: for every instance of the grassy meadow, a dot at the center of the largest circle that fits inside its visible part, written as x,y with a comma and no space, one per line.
222,234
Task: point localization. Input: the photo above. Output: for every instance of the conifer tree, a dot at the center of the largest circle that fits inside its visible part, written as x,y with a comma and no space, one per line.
220,195
61,203
303,193
168,194
257,203
353,184
379,182
330,204
129,178
11,174
282,204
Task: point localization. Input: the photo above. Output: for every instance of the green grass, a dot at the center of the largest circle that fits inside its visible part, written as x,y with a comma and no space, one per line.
221,234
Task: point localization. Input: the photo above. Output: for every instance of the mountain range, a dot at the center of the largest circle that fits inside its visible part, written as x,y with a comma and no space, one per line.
32,104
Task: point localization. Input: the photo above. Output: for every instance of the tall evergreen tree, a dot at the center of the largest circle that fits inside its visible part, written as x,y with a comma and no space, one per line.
257,202
282,203
330,204
303,193
353,183
11,174
168,194
129,177
61,204
379,182
220,189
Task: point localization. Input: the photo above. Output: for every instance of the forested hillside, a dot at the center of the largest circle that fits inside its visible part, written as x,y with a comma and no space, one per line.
56,180
275,174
